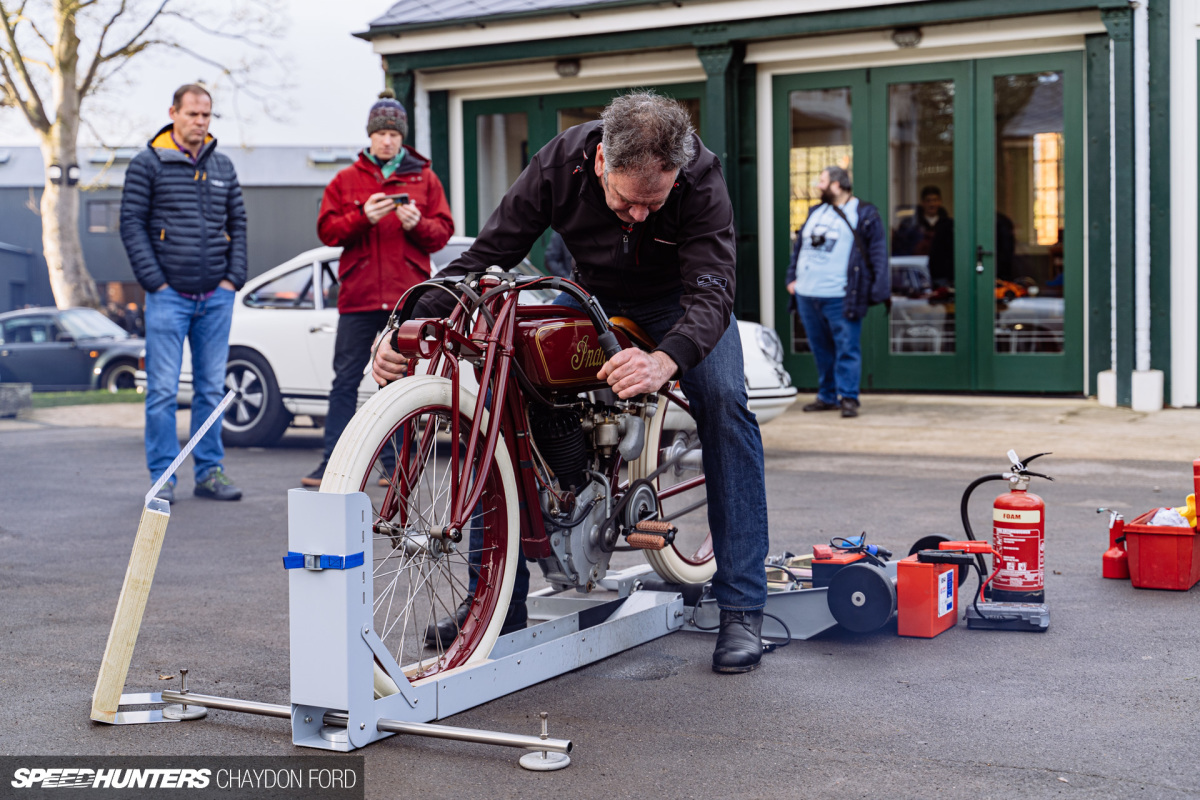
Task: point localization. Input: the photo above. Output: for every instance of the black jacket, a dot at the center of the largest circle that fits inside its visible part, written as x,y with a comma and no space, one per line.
866,283
183,224
686,245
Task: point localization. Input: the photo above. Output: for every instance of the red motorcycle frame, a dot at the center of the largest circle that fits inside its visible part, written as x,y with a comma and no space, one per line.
542,447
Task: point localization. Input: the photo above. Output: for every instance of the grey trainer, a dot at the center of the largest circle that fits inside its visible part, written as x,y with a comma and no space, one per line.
217,486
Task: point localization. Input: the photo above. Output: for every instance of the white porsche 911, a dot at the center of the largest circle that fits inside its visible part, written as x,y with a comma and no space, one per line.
282,337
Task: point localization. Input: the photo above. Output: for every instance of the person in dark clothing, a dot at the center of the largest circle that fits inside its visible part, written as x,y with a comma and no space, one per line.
642,206
558,258
386,245
929,232
838,269
183,224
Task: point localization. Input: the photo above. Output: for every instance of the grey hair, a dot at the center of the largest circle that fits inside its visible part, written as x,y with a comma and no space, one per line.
841,177
646,132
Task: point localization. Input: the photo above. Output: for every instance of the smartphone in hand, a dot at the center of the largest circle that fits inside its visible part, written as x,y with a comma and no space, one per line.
399,199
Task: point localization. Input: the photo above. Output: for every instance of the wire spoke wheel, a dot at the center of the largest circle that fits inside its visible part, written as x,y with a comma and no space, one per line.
682,495
399,449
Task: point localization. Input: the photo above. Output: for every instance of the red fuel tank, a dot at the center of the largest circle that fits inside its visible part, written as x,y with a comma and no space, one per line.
558,349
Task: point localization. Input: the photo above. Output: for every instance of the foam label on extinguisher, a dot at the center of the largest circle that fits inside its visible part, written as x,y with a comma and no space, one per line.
946,592
1027,517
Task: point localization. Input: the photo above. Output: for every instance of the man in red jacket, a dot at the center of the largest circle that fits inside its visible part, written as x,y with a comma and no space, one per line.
388,212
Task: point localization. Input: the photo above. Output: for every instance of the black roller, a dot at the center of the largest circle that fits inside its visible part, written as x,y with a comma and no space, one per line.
862,598
931,542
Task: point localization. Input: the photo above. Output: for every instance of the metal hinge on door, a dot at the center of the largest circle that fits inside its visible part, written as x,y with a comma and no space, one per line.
979,254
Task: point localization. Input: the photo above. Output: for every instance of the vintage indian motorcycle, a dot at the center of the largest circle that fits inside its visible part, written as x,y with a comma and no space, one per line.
543,456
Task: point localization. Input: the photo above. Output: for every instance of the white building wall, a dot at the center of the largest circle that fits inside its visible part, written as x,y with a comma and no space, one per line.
1185,30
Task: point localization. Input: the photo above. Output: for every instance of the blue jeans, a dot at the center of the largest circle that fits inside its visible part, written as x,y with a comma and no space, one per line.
170,319
835,346
732,454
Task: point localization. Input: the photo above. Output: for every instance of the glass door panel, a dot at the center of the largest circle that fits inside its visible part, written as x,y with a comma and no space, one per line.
502,151
820,137
1030,213
1029,223
922,138
921,193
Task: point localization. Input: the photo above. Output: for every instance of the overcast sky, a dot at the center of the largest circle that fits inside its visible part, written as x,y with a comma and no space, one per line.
335,78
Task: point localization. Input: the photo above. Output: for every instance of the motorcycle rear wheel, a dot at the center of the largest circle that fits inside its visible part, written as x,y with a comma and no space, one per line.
690,559
419,575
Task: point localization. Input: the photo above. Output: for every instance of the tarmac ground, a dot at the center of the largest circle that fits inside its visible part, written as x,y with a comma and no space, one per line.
1103,705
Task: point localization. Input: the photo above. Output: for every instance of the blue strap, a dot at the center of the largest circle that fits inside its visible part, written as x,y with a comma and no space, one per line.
294,560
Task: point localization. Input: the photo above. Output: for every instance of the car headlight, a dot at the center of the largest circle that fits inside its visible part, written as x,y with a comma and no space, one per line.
770,343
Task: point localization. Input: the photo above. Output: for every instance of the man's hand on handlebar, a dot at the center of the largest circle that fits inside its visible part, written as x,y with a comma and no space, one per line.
388,365
632,372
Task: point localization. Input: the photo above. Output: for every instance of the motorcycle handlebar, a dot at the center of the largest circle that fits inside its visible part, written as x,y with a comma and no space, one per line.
460,281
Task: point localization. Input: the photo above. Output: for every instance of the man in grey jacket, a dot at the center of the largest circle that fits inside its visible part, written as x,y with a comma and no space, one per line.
183,224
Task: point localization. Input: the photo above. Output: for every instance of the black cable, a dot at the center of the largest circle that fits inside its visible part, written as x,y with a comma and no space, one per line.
768,647
966,517
975,602
849,547
571,523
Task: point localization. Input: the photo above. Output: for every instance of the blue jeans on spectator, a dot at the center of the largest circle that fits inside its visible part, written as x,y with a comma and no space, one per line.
732,454
835,345
171,318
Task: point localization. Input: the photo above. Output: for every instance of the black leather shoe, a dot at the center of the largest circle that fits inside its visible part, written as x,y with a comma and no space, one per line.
820,405
444,631
739,642
849,407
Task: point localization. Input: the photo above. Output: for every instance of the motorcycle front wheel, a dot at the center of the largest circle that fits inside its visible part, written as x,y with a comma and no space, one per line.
682,496
399,450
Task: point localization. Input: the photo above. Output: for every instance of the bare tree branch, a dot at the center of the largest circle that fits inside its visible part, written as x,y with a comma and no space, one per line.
34,110
133,39
33,25
230,35
90,75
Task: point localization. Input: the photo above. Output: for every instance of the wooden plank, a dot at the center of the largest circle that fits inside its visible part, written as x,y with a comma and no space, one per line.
127,621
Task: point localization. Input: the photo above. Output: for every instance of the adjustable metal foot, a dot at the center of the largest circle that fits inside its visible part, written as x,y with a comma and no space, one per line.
545,761
183,711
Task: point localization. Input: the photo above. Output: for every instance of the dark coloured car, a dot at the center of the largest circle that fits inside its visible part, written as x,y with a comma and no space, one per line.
69,349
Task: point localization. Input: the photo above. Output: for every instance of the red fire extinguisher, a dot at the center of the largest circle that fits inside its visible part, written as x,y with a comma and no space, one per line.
1018,535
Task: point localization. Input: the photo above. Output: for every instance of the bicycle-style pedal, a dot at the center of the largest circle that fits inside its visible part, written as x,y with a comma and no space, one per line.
651,534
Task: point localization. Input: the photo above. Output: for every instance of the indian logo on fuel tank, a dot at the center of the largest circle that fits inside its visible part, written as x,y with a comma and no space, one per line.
586,356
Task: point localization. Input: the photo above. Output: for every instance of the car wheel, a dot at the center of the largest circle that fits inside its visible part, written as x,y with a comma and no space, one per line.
256,417
117,376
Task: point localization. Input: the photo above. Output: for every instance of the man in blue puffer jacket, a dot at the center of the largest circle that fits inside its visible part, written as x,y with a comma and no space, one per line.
184,228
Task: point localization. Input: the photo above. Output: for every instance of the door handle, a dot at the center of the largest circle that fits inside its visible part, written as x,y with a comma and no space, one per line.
979,254
322,329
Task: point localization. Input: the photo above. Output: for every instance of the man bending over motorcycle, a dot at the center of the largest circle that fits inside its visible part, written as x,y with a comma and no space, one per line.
642,206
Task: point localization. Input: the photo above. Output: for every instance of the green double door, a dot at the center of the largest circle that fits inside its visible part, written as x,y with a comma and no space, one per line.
501,134
976,168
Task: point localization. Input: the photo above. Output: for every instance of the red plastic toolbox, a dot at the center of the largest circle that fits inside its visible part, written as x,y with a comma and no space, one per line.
1162,557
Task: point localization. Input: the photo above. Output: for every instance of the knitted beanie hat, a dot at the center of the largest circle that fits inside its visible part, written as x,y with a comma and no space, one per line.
387,114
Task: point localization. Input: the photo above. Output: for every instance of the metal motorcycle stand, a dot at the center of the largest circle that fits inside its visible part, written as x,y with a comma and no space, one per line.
334,649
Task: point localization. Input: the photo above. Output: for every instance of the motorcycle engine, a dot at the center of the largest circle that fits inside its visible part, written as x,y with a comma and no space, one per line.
579,446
